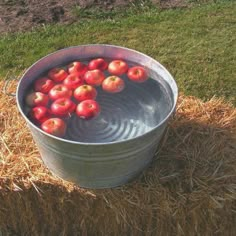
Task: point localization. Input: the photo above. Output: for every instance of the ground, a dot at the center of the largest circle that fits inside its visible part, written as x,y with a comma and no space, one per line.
18,15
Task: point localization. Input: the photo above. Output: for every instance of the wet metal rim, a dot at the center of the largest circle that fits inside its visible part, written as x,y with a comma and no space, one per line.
175,96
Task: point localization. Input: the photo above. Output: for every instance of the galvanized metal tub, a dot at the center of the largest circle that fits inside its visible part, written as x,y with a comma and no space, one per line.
113,148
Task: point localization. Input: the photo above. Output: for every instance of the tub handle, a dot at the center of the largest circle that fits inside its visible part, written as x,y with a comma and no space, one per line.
6,85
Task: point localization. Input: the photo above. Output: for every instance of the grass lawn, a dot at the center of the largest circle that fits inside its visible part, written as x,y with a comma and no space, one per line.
197,45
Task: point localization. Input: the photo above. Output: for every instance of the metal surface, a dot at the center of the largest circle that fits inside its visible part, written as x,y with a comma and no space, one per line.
116,146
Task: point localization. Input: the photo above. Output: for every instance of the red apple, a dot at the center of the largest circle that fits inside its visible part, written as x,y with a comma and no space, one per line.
98,63
36,99
113,84
54,126
77,68
43,85
62,107
118,67
88,109
39,114
85,92
94,77
137,74
59,91
57,74
73,81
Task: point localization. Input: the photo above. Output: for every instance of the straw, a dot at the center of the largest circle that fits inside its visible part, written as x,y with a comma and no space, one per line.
189,189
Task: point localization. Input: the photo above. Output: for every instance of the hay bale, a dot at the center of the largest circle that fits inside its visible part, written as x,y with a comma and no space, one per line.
188,190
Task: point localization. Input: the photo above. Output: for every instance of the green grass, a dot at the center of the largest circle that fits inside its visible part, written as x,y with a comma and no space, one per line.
133,8
197,45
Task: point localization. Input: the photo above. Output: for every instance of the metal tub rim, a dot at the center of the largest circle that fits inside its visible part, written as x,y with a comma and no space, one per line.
171,112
